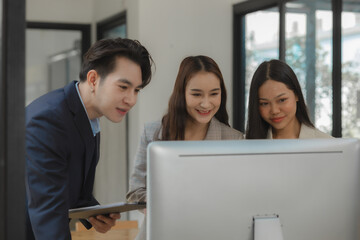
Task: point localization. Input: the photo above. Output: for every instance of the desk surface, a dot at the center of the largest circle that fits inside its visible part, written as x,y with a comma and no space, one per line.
118,234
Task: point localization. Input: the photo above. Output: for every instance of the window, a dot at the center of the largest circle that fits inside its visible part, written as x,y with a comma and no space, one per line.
261,41
350,64
53,55
308,41
325,59
112,27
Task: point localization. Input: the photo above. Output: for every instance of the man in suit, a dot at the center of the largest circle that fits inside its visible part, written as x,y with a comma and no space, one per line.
62,135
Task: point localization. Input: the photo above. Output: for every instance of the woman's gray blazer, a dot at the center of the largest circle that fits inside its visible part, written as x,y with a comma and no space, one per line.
137,188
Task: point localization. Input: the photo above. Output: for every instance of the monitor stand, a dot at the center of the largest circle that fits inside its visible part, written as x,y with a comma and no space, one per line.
267,227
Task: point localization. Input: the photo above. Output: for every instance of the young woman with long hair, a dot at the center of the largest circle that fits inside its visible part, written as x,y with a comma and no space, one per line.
196,111
276,105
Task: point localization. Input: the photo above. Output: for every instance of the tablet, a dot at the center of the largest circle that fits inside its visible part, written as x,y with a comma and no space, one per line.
86,212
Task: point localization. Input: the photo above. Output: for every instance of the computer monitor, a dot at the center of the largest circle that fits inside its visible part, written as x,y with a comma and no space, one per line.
213,189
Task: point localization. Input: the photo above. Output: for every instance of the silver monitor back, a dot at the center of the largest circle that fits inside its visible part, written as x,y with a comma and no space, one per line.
212,189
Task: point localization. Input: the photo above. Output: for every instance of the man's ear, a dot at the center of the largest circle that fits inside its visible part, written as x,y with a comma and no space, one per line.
92,79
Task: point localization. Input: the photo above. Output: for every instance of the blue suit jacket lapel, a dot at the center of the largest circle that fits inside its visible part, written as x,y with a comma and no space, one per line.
82,123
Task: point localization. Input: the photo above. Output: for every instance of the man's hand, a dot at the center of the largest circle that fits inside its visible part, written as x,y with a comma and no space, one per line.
103,223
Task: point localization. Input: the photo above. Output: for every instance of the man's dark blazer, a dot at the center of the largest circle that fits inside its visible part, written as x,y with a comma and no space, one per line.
61,157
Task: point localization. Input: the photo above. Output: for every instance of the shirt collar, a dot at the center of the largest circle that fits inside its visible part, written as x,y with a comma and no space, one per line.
94,123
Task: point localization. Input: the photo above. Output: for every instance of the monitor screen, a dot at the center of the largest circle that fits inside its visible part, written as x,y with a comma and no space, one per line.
214,189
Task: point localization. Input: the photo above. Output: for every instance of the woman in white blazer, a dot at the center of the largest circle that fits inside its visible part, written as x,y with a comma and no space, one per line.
277,109
196,111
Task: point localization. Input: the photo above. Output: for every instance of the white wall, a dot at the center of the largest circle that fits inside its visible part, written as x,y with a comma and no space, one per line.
172,30
66,11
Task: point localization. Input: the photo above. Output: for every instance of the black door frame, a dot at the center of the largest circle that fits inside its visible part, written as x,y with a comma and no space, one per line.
109,23
12,121
85,30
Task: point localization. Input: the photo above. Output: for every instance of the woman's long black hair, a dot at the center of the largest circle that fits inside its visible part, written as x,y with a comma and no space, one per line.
257,127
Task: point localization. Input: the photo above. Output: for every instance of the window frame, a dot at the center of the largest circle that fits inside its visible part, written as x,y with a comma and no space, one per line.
85,30
109,23
239,65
